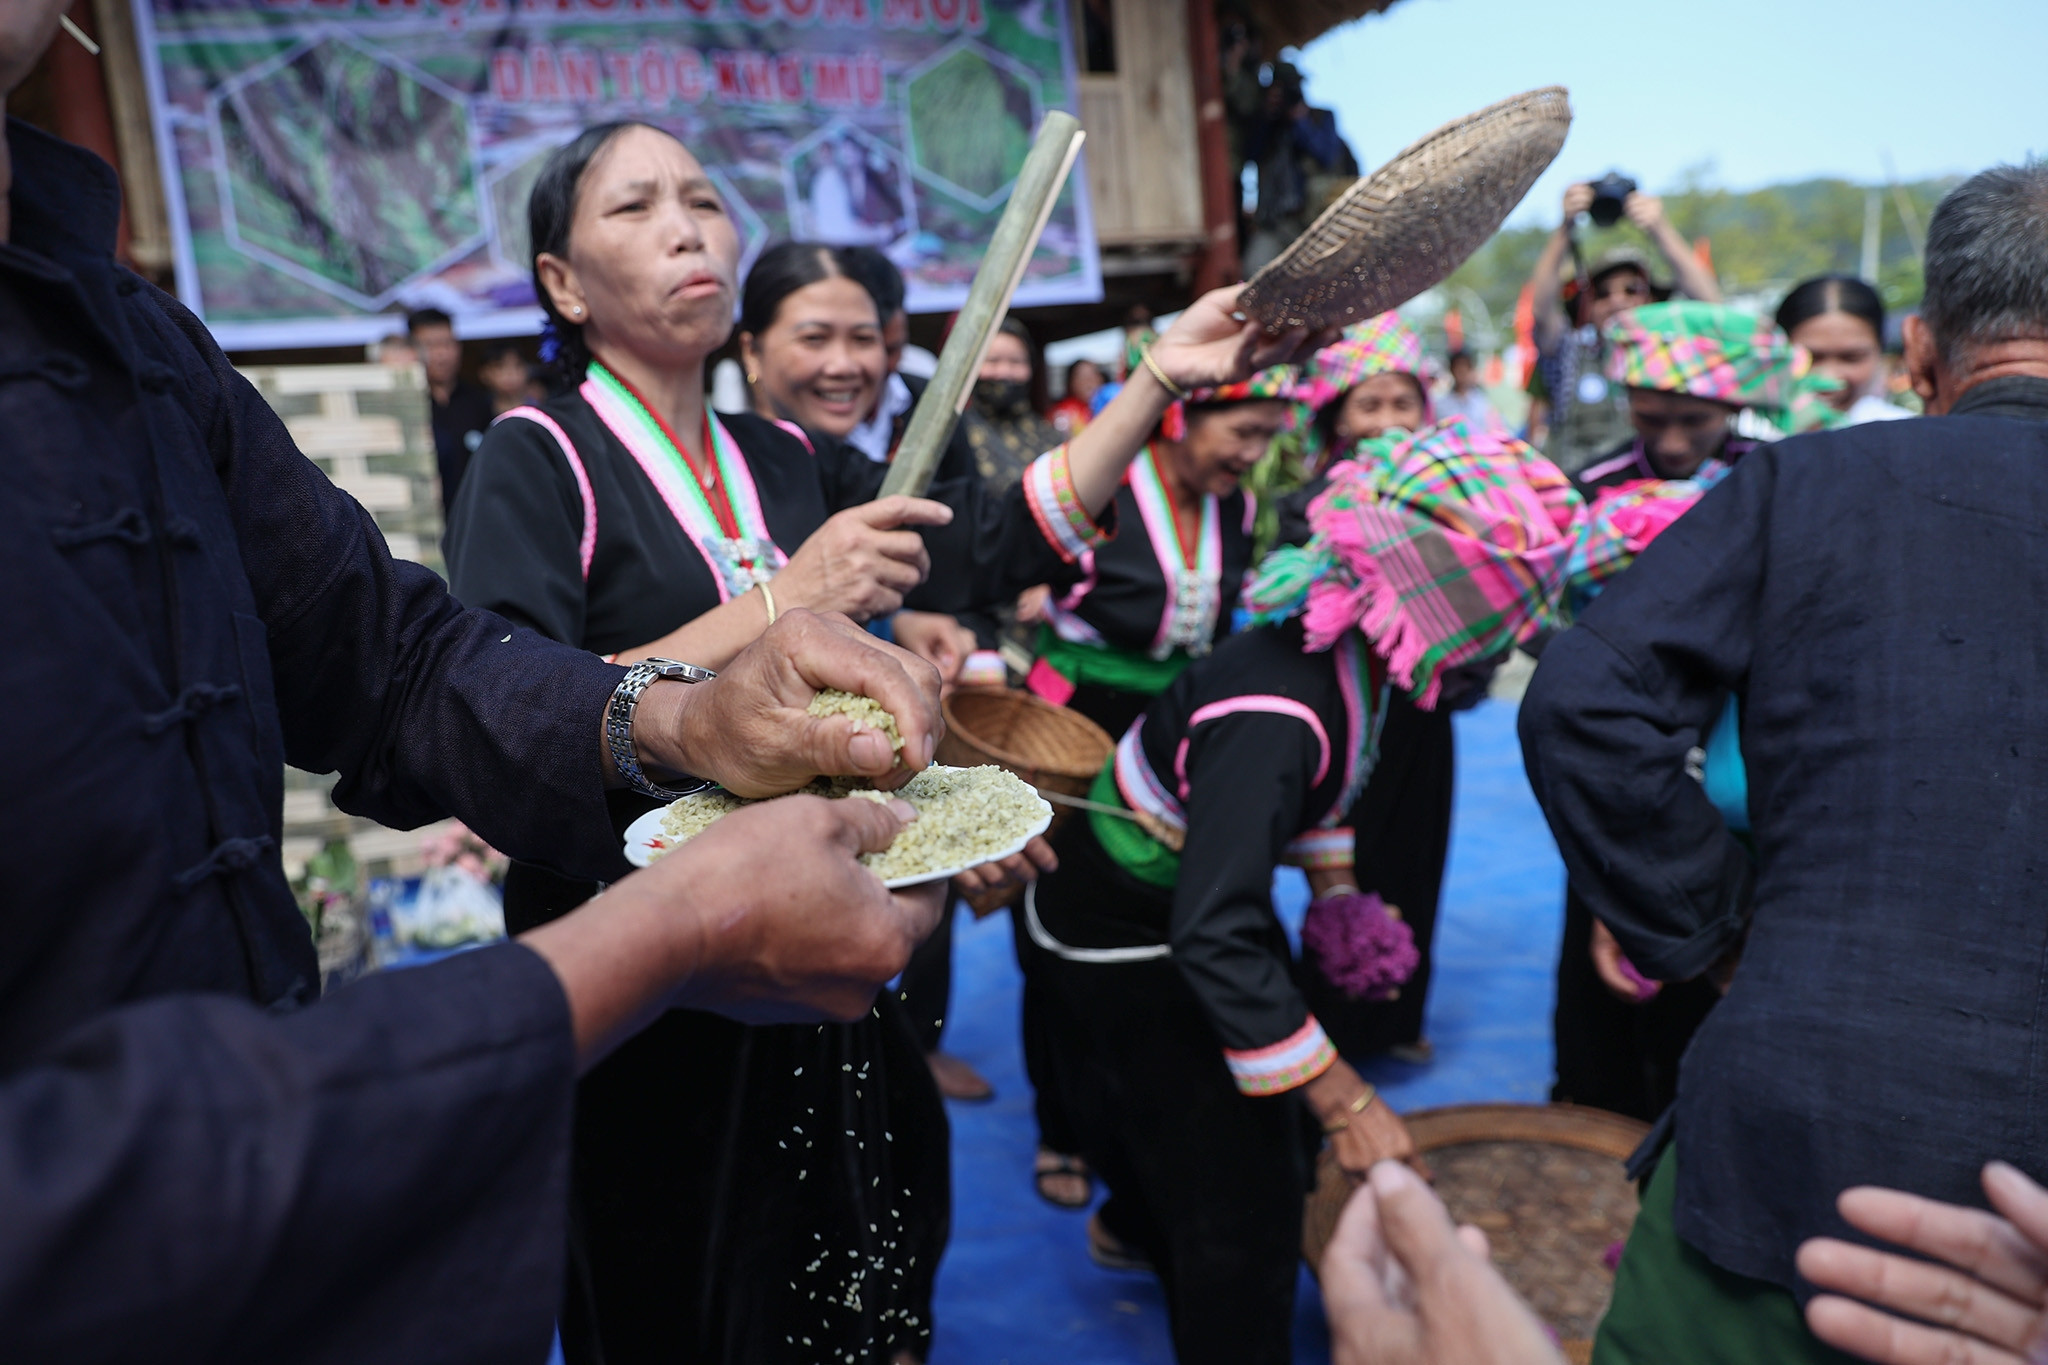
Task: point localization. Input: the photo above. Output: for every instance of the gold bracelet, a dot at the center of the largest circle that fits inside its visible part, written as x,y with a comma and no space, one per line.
1356,1107
1180,394
769,598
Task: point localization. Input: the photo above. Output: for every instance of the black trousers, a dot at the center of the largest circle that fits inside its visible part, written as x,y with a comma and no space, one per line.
1113,711
1612,1054
1207,1181
926,987
748,1195
1403,824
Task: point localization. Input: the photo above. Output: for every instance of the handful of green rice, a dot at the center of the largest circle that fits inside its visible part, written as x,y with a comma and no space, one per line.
867,713
965,817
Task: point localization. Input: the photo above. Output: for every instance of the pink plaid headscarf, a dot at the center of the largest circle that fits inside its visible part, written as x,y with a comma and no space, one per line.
1441,547
1380,345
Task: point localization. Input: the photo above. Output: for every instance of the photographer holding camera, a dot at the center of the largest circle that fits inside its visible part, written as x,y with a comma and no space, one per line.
1586,415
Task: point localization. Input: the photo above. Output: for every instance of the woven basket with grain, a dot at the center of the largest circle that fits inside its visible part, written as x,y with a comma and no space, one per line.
1545,1182
1409,224
1050,747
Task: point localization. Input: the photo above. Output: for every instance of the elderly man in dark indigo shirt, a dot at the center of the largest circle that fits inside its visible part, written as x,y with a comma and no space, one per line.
197,1162
1875,598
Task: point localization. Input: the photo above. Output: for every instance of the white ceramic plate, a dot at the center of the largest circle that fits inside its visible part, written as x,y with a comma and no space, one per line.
646,842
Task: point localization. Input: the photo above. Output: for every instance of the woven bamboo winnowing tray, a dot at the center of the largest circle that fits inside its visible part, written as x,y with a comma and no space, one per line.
1409,224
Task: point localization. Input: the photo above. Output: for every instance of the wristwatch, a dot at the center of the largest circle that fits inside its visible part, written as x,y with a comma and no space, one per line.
618,722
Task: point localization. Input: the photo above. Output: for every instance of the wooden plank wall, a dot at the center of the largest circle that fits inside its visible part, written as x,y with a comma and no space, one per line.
1144,172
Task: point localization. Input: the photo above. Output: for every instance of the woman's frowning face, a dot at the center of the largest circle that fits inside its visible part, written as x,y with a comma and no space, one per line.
1679,431
653,257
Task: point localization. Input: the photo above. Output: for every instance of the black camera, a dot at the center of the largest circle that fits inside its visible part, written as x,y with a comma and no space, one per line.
1610,192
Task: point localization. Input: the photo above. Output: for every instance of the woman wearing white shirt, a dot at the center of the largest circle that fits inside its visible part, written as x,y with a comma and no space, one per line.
1839,319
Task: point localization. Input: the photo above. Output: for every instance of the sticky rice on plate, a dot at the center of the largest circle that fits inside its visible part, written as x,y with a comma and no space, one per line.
965,817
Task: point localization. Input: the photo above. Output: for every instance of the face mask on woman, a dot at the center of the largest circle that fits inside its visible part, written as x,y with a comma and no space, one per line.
1002,397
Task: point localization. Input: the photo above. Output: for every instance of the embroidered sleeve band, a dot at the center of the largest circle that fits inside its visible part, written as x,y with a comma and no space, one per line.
1322,848
1293,1061
1065,523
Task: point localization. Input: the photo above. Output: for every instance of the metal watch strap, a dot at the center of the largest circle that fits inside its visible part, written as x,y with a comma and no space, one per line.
618,722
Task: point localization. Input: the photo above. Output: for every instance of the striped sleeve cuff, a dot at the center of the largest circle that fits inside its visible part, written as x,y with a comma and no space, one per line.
1065,523
983,668
1322,848
1293,1061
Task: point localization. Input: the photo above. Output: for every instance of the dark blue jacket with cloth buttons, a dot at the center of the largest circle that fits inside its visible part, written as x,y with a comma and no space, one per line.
1874,597
186,603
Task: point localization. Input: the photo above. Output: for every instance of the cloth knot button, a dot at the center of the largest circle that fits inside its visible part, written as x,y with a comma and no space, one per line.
183,531
192,702
159,378
127,524
126,285
63,371
229,855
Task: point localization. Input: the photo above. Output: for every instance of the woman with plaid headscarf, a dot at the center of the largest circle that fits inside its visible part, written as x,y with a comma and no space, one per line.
1198,1075
1127,615
1364,386
1366,391
1367,383
1691,369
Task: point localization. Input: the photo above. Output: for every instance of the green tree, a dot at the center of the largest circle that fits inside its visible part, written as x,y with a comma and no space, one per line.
1762,241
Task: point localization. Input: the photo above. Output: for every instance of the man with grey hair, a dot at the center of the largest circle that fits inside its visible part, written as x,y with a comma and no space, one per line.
1872,600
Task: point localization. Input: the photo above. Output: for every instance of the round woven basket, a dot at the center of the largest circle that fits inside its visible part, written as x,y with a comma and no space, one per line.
1543,1181
1409,224
1052,748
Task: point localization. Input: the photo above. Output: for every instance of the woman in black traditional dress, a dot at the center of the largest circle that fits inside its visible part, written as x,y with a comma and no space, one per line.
743,1194
1125,618
1196,1073
1168,986
1398,835
1122,621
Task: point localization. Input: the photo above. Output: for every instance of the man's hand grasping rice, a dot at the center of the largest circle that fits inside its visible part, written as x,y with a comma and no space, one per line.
749,730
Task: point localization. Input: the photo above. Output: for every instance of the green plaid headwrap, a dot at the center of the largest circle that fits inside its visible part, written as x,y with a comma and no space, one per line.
1708,350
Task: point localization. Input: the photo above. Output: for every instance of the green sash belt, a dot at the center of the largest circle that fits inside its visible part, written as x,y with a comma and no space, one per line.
1120,670
1126,841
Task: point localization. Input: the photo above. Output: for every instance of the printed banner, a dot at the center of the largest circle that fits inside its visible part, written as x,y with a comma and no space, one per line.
332,163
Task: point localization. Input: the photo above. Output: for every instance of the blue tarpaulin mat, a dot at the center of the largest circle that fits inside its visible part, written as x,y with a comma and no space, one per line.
1017,1287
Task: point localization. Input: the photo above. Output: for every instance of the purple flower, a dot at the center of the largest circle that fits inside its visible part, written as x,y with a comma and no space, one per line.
550,342
1366,949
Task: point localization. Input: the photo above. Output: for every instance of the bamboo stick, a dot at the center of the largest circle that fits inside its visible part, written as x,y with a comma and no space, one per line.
1002,270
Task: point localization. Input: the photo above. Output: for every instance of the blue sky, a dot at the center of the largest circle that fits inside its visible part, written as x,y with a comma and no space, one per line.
1765,90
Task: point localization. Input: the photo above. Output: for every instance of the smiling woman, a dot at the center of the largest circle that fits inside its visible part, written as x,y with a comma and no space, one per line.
811,338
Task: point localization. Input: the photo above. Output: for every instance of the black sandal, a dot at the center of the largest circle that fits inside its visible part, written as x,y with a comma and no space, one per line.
1051,1163
1112,1252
